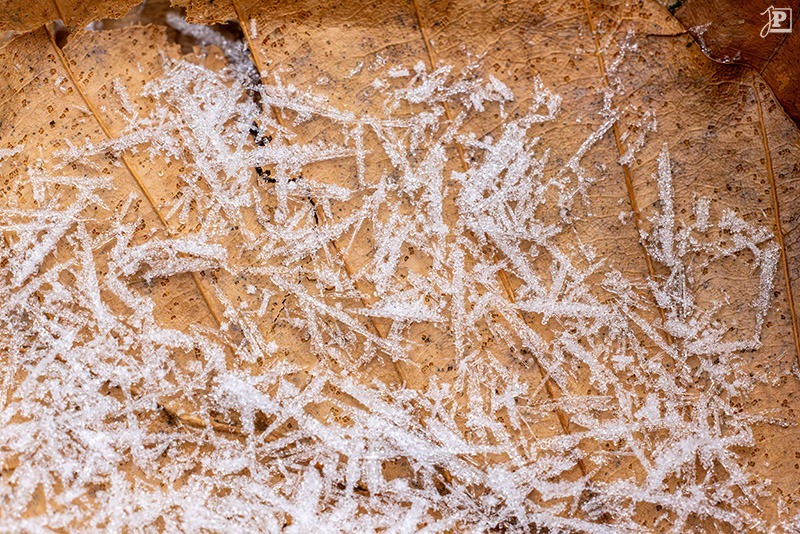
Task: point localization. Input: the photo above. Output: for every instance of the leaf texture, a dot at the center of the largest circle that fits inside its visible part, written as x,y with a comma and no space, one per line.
395,266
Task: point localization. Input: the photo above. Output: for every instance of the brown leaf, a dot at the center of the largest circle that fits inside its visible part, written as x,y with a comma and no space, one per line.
728,140
736,32
21,16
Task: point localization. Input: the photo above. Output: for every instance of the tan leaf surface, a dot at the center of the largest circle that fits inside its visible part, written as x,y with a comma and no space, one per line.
21,16
736,32
350,427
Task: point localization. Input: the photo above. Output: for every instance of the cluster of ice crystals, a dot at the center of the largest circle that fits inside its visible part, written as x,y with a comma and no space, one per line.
276,418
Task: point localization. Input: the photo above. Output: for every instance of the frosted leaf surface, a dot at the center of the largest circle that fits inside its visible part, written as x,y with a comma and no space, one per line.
311,402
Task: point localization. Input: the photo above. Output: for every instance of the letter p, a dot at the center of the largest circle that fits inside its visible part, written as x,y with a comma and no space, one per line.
778,18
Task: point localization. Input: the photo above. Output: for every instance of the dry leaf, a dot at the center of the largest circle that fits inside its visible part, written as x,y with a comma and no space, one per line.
21,16
739,32
449,265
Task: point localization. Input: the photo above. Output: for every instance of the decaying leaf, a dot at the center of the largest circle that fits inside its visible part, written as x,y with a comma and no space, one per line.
447,266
